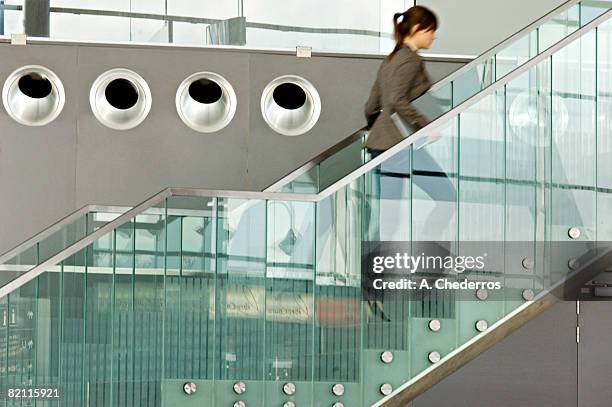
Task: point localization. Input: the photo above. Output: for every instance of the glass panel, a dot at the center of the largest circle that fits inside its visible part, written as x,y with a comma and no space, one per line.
289,298
189,288
305,183
387,193
72,323
46,294
472,81
18,264
591,9
24,339
146,313
240,319
604,128
516,54
558,27
442,101
341,163
61,239
338,315
53,244
481,170
434,186
11,17
99,306
573,150
527,135
122,340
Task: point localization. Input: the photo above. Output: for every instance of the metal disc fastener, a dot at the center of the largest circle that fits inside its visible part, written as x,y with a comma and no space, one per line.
240,403
289,404
434,325
386,357
386,389
528,263
190,388
481,325
573,264
528,294
338,389
434,357
338,404
573,232
482,294
289,389
239,387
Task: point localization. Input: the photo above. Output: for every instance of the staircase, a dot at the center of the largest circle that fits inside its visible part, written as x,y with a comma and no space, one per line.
229,298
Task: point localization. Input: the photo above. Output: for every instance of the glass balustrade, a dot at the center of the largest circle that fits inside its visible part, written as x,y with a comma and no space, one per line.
261,300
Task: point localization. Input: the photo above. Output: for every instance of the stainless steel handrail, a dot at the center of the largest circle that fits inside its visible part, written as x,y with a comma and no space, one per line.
414,138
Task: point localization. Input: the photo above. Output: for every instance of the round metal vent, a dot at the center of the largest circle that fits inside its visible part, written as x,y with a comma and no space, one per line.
120,99
290,105
206,102
33,95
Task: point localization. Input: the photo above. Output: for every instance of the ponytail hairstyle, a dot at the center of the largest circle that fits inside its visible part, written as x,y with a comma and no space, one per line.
404,23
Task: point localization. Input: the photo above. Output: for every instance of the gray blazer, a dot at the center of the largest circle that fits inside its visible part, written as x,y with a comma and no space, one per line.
398,82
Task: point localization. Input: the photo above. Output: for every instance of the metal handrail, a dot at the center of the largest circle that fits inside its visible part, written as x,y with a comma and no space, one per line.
441,83
406,142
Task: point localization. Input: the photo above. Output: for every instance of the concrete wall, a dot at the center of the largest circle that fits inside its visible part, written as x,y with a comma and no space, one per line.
48,172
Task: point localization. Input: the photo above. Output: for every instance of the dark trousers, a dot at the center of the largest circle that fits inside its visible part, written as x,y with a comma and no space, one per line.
390,181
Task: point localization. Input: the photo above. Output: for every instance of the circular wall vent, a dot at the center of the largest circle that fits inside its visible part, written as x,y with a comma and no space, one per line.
120,99
206,102
290,105
33,95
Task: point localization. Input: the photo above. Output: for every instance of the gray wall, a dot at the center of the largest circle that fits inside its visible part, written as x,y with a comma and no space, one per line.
539,365
48,172
535,366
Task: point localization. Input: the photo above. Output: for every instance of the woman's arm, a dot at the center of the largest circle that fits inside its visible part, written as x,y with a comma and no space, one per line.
373,105
403,79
